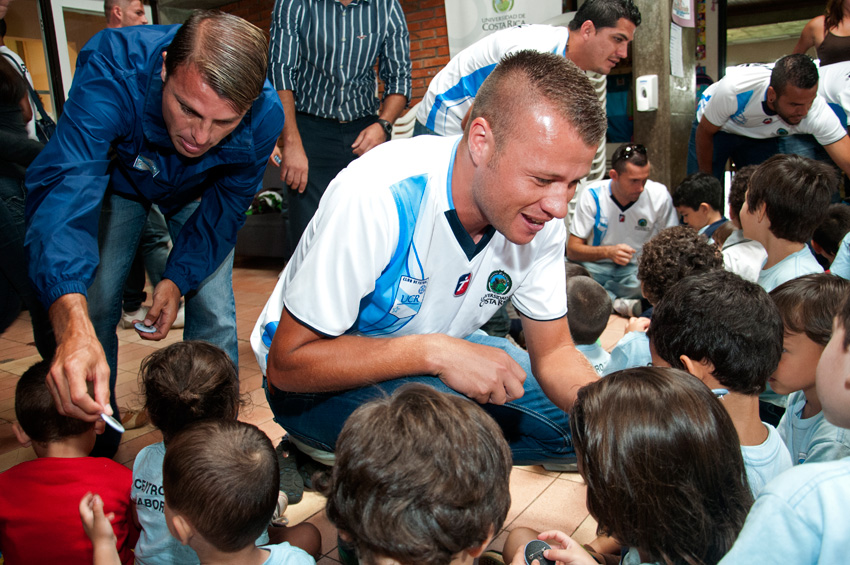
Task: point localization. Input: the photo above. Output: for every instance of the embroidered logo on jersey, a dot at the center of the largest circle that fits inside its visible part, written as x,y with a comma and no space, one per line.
642,225
144,164
782,131
409,297
622,218
462,284
502,6
768,121
499,282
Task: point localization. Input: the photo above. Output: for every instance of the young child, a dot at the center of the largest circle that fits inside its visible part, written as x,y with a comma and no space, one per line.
183,383
800,517
741,256
588,311
828,235
807,306
786,200
699,201
673,254
726,332
421,477
38,499
663,469
221,487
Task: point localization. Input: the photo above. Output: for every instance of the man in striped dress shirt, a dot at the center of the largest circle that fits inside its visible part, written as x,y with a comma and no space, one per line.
322,56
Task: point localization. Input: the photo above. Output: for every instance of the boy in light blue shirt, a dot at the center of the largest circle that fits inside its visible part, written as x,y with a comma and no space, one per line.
727,332
800,517
807,305
786,200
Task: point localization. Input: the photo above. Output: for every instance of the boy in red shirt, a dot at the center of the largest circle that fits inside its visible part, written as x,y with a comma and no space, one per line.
39,499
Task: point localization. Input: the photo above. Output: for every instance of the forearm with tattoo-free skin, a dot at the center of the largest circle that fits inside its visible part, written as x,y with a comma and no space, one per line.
579,250
705,144
79,359
301,360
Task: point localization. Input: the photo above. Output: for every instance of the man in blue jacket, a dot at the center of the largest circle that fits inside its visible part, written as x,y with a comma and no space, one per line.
178,116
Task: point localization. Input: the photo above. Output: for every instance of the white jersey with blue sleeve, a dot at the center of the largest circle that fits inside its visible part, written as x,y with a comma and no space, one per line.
386,255
834,87
737,104
453,89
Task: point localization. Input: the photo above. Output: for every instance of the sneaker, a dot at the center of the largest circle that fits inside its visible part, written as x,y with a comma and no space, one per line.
128,317
291,482
491,557
627,307
278,519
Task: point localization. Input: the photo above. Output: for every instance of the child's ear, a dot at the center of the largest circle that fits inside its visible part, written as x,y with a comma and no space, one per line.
475,552
181,529
99,426
700,369
21,435
705,208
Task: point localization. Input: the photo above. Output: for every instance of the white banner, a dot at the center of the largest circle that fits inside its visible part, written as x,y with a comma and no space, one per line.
470,20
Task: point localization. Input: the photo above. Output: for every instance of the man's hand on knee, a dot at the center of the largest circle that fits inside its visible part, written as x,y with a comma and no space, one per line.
621,253
166,302
484,374
79,360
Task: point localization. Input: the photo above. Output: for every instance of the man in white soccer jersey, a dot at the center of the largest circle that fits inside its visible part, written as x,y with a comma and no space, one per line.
413,248
614,218
745,115
596,39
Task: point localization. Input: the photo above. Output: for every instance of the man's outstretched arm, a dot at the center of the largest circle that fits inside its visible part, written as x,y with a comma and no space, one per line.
558,366
302,360
705,144
579,250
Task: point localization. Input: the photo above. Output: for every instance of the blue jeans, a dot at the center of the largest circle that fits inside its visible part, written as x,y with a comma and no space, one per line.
151,256
538,431
742,150
210,309
327,144
620,281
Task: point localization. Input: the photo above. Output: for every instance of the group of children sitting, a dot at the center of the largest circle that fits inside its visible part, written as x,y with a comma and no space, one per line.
673,454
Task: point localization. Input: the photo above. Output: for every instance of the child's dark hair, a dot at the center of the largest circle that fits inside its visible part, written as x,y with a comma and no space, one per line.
795,191
222,476
420,476
671,255
36,412
721,318
588,309
188,381
833,228
698,188
808,304
738,189
662,463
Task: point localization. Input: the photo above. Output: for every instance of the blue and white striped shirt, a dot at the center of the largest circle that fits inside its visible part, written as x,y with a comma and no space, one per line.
325,53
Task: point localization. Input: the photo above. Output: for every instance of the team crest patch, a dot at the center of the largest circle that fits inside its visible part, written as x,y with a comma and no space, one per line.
642,222
782,131
462,284
499,282
408,300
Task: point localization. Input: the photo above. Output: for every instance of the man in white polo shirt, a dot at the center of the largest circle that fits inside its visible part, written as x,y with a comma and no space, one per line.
413,248
744,115
614,218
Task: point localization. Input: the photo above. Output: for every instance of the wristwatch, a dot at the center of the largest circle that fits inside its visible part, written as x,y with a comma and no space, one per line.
388,128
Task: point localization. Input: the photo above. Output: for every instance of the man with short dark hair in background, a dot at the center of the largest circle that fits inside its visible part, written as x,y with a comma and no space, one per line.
124,13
